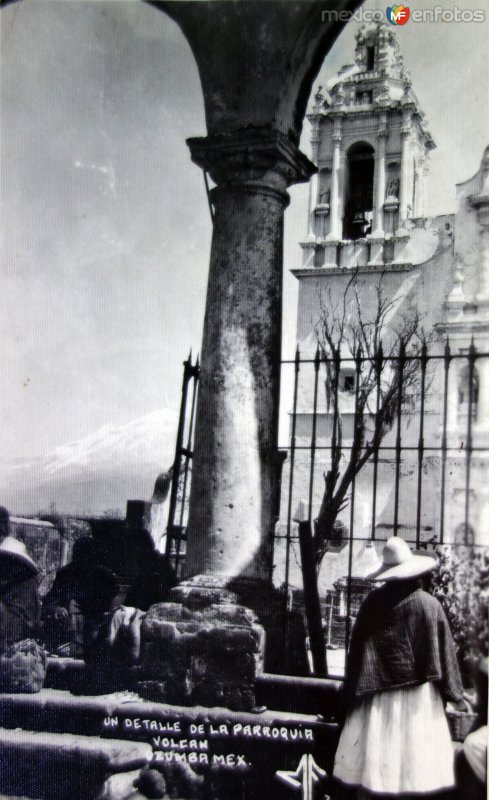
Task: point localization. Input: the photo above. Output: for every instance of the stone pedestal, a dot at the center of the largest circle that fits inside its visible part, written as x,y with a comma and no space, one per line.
346,255
401,241
202,648
331,254
308,254
376,251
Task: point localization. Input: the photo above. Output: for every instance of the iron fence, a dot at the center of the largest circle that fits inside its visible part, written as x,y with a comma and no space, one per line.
424,478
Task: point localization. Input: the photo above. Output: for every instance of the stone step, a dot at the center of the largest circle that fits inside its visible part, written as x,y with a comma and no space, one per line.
55,709
280,692
241,750
63,766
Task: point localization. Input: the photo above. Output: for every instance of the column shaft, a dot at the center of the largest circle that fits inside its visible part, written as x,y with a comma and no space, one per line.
234,470
335,211
233,499
405,176
483,294
313,199
378,222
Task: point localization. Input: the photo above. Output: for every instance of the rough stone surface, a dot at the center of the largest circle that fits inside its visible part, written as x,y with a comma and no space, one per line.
179,779
196,597
209,655
278,46
79,763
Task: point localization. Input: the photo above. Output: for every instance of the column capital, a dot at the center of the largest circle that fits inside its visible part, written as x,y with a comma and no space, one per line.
252,159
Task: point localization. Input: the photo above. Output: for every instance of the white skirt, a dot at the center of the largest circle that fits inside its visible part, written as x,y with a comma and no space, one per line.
397,741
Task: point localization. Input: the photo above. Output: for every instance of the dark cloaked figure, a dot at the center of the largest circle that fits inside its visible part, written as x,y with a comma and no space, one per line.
4,523
401,669
82,590
155,579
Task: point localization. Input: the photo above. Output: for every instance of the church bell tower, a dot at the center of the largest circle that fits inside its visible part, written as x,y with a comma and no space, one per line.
370,144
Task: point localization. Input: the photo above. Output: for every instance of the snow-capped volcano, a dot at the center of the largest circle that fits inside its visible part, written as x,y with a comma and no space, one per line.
97,472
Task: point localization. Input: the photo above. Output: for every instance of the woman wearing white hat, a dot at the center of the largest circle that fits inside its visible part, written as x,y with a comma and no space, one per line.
401,668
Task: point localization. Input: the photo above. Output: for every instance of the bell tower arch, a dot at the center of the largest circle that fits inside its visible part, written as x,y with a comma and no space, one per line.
359,191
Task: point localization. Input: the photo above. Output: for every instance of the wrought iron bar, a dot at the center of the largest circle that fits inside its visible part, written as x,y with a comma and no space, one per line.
378,365
188,453
423,363
368,359
317,363
187,370
444,449
400,378
336,361
358,370
468,451
405,448
291,483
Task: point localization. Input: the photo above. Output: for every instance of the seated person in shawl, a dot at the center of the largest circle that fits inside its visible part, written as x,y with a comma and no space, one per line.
82,590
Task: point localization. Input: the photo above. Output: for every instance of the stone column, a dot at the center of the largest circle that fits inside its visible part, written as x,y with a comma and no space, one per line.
232,503
405,188
452,399
483,294
482,419
481,203
335,201
378,221
312,228
311,217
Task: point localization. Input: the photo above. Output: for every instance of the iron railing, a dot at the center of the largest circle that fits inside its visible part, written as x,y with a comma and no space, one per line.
422,480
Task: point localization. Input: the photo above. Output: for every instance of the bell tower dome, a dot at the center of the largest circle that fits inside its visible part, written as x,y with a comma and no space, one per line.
370,144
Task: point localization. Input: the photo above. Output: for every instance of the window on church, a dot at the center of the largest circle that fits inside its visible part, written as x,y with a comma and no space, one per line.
347,381
370,58
364,98
359,191
464,397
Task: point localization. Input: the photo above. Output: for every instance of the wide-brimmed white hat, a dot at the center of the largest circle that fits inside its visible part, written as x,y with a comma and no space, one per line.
398,562
17,550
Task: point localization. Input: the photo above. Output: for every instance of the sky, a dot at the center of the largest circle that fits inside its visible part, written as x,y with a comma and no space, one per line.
105,230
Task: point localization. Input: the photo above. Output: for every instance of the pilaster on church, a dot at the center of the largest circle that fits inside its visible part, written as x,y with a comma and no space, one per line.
370,144
468,301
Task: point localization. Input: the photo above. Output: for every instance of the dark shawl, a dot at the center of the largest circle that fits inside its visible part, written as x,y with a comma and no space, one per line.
401,638
19,609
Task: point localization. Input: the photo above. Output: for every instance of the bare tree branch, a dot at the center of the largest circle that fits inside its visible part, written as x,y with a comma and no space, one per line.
387,379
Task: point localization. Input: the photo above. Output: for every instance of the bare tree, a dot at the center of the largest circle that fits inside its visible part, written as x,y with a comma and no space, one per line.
386,360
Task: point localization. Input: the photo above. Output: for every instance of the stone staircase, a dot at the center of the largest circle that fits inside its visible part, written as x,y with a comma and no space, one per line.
56,745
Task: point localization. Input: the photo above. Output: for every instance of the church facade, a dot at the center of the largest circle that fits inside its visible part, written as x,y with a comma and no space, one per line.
370,235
